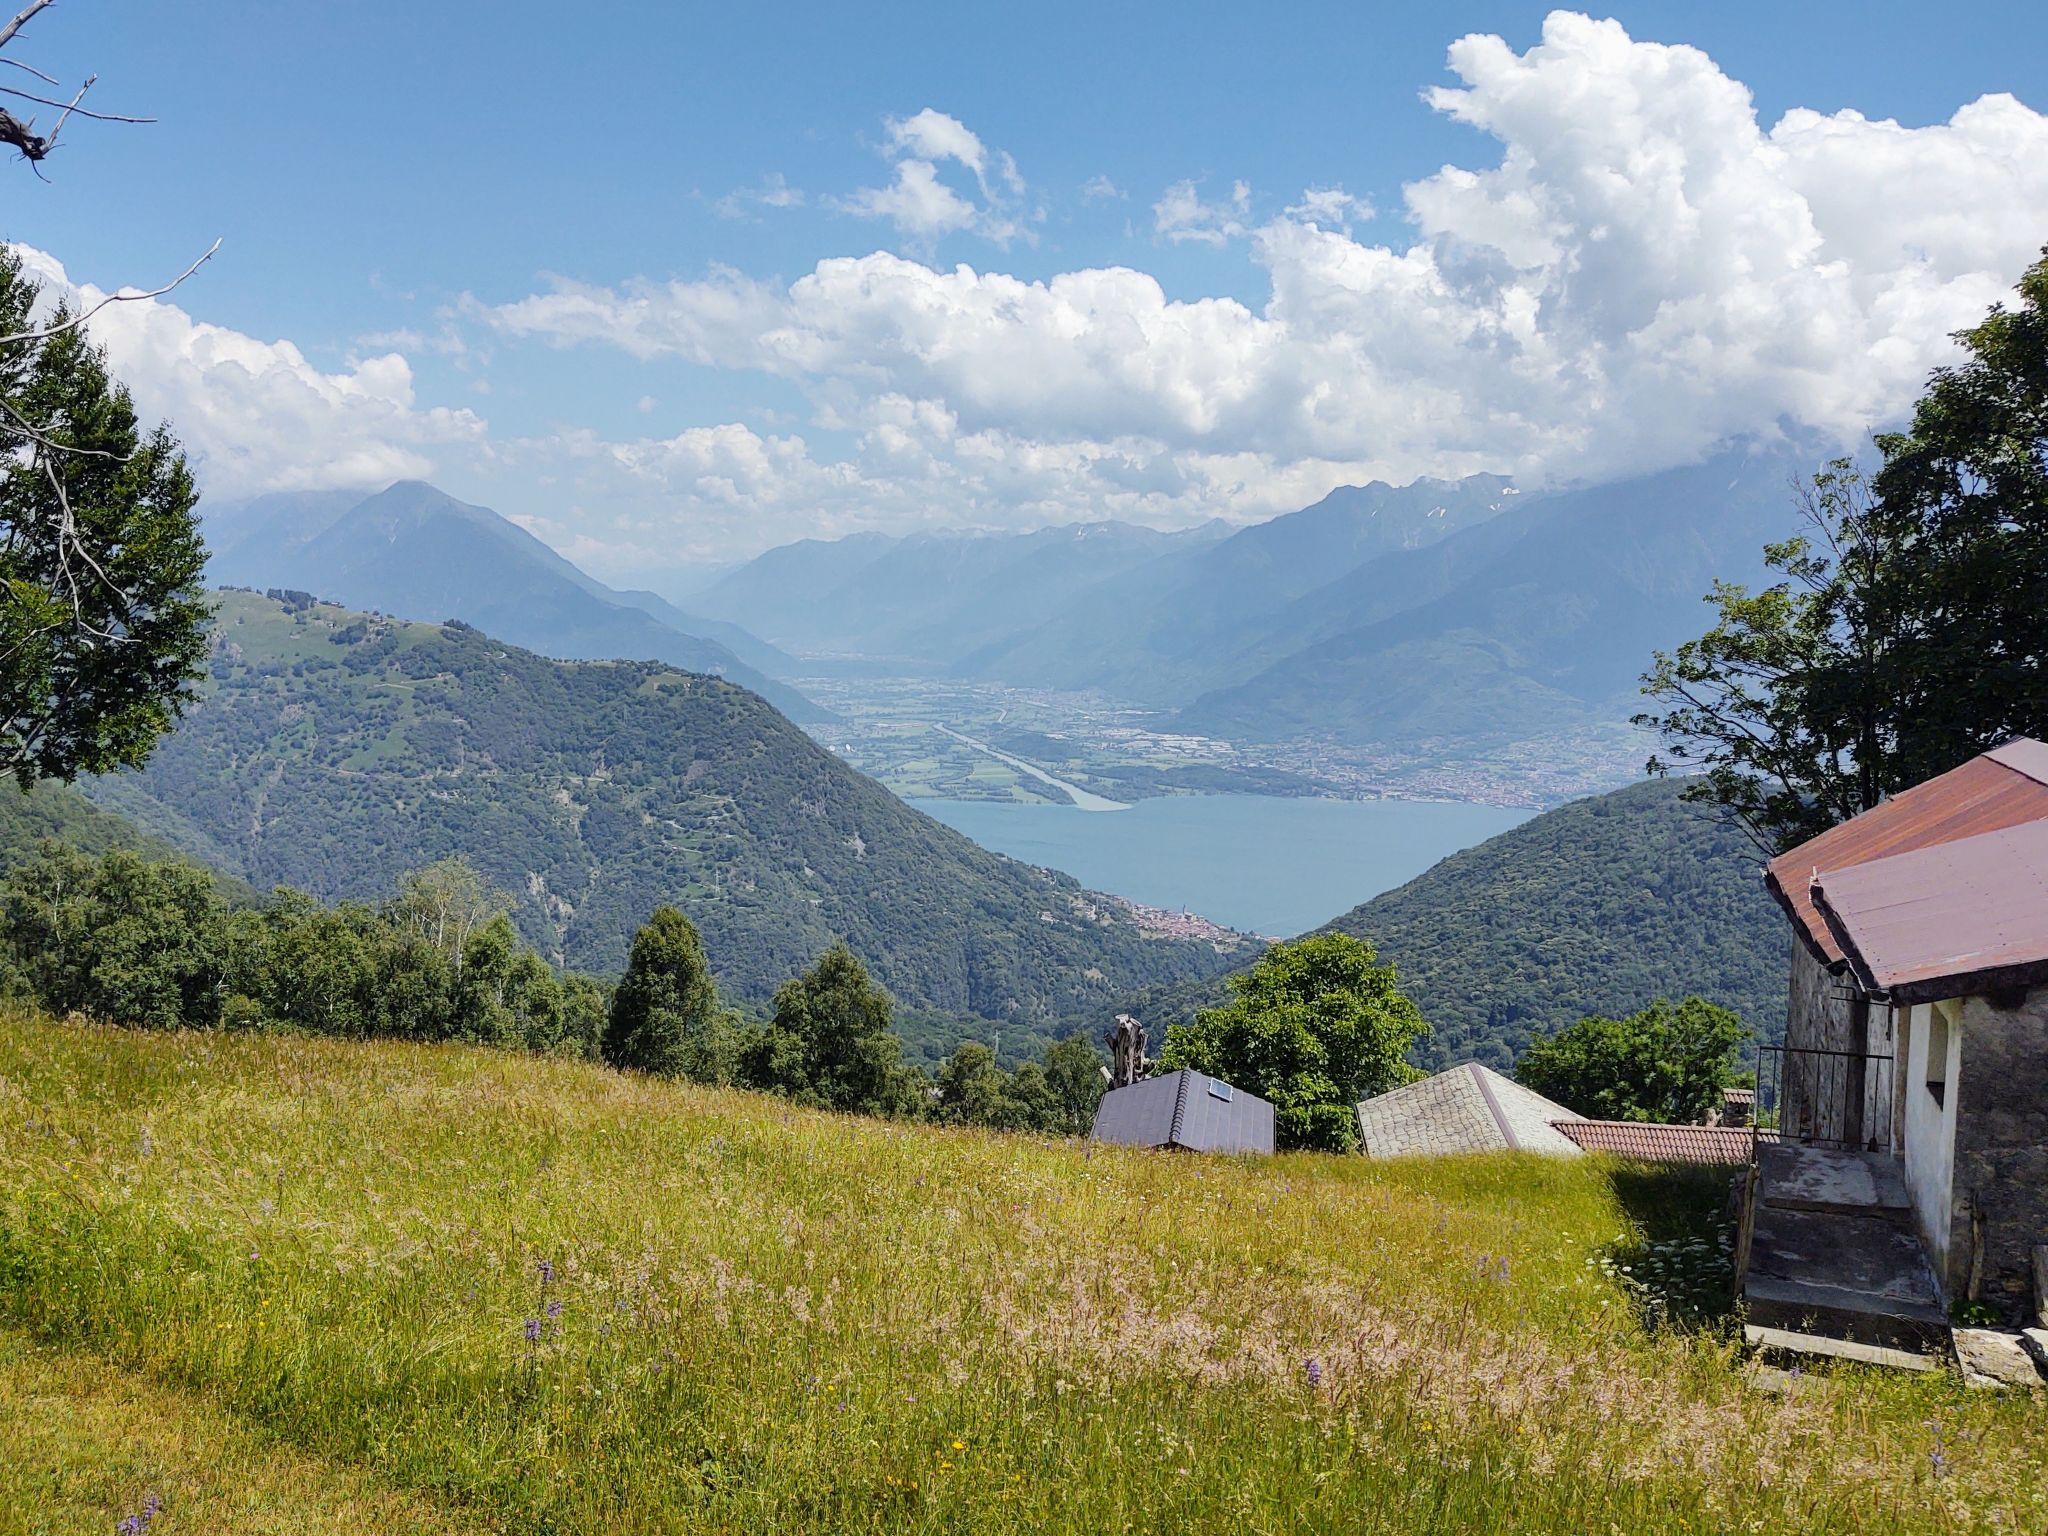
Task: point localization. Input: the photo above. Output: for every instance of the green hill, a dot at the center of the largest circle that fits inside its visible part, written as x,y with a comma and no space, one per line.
295,1284
1596,907
335,750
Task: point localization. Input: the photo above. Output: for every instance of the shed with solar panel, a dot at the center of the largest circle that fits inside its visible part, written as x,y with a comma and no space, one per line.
1186,1111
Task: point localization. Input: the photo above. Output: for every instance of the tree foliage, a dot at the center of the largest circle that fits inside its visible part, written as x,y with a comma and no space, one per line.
102,617
1317,1025
1668,1063
664,1014
153,944
830,1044
1909,632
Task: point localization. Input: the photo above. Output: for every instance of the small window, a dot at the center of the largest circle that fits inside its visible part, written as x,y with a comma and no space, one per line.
1219,1090
1940,1021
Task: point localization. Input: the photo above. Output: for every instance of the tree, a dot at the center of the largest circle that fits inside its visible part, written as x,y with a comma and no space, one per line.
445,904
1964,494
117,938
665,1017
103,620
1668,1063
1909,633
1073,1073
1315,1026
1788,705
830,1044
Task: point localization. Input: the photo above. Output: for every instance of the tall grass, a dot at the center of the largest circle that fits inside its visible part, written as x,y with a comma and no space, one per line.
551,1298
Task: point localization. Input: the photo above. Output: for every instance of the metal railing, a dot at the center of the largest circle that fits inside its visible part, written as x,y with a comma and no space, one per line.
1824,1098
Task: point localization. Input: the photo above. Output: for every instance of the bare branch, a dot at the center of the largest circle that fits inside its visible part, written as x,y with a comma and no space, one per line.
123,297
46,79
27,15
73,106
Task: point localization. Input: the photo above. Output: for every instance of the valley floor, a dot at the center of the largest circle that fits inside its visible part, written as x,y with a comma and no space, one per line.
295,1284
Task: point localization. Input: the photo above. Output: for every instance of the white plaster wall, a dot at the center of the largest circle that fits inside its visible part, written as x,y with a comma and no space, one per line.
1930,1132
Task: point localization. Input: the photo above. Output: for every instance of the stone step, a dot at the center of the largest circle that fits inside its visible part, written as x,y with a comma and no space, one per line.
1783,1342
1795,1178
1860,1316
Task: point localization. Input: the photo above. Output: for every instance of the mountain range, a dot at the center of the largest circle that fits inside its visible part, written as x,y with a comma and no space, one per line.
333,750
415,552
1440,612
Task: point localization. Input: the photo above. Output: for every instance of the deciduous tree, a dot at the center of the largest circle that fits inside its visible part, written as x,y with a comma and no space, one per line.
1316,1025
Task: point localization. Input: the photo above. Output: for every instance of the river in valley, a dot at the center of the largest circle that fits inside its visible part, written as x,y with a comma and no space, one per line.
1260,863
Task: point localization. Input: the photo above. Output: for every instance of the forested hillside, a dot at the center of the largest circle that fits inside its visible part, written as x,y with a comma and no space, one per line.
1596,907
336,750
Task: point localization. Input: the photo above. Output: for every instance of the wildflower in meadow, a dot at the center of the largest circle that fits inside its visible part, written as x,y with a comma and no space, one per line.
1312,1368
533,1330
546,1270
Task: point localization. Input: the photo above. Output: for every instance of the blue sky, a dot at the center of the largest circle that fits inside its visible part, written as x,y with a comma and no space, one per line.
397,181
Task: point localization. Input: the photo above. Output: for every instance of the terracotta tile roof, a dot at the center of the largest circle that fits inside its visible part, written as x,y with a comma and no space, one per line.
2006,787
1967,916
1647,1143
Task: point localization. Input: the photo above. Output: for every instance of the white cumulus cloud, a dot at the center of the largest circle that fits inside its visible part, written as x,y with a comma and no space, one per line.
921,205
1643,270
256,415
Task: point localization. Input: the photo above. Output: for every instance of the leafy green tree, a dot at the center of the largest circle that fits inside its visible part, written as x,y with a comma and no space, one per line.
305,965
1963,493
1073,1073
1788,707
830,1043
103,619
665,1016
1909,632
1668,1063
117,938
446,903
973,1089
1317,1025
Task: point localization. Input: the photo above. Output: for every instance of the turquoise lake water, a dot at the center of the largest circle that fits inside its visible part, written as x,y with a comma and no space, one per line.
1256,862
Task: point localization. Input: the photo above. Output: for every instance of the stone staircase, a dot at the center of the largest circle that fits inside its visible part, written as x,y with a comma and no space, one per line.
1833,1255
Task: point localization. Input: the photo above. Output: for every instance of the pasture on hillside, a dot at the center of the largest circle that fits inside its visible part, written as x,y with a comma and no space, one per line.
278,1283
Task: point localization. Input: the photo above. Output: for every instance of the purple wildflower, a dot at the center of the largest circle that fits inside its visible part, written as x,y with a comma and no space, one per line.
533,1330
1312,1368
1503,1271
547,1272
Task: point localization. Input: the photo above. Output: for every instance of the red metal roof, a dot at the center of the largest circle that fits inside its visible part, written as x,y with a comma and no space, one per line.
1652,1143
1966,916
2007,787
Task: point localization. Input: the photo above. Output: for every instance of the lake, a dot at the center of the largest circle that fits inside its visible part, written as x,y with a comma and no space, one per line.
1261,863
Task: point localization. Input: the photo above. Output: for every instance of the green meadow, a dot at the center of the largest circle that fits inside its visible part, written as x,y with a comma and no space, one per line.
267,1283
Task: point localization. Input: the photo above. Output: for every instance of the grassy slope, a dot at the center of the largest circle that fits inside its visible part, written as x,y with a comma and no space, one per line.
778,1321
87,1444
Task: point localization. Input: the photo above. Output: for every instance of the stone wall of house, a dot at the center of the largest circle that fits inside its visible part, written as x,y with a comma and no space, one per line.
1823,1098
2001,1152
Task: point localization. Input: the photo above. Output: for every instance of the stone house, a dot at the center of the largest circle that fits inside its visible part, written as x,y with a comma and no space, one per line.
1913,1082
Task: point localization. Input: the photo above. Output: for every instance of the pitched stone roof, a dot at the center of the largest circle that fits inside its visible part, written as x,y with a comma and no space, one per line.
1468,1108
1660,1143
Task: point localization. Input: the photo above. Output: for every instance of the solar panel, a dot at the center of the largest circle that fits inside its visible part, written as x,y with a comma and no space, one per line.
1219,1090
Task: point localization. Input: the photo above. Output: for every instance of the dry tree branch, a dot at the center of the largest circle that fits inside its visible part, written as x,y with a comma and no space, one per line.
46,79
123,297
72,106
34,6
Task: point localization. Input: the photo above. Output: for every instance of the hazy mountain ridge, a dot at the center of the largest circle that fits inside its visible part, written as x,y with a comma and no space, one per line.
415,552
1436,614
335,750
